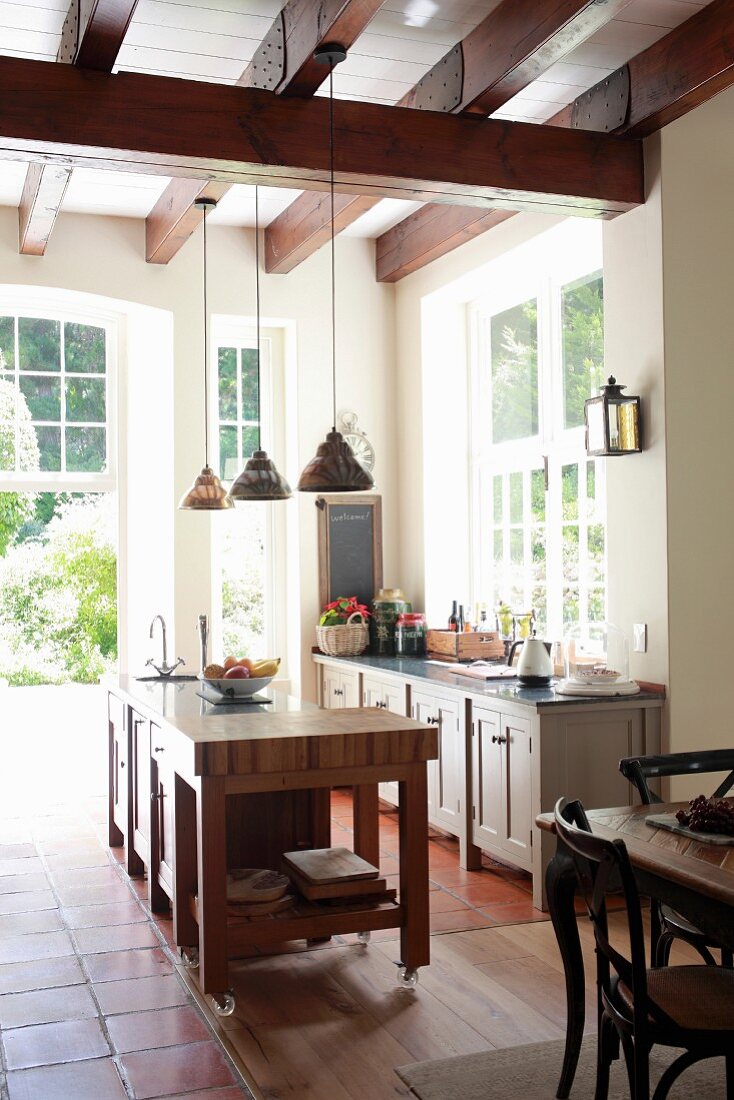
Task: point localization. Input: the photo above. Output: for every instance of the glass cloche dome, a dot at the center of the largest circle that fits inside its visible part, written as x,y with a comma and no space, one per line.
596,653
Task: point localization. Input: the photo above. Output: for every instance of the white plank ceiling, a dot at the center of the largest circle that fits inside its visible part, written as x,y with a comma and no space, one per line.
213,40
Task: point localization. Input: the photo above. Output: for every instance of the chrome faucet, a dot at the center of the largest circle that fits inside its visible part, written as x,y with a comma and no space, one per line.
164,669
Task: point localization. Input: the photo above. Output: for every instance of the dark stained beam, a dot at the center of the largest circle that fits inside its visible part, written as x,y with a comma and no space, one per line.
93,33
91,37
174,217
187,128
282,63
429,233
43,193
509,49
684,69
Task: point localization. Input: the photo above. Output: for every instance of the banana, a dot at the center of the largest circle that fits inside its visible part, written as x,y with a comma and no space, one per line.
265,668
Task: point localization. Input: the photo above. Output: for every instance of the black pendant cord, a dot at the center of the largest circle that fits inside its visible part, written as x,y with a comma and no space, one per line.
257,307
206,357
333,248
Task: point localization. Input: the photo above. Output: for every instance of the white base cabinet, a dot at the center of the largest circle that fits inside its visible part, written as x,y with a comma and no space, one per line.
502,762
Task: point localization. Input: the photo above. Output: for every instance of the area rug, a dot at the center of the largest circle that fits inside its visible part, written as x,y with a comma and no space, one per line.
531,1073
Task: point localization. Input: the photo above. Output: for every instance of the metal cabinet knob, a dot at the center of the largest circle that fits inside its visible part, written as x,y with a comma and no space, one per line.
338,691
498,739
433,720
155,795
122,763
159,748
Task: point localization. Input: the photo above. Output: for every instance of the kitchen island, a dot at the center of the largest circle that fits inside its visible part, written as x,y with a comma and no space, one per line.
197,788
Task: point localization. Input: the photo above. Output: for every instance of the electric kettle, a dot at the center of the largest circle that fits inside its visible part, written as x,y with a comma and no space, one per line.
535,667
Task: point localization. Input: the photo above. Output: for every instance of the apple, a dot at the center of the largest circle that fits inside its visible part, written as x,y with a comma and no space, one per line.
237,672
230,662
246,662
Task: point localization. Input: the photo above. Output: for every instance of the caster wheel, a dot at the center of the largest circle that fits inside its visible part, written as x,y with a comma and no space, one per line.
190,957
223,1003
364,937
407,979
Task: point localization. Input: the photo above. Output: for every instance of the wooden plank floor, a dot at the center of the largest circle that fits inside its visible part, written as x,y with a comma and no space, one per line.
331,1024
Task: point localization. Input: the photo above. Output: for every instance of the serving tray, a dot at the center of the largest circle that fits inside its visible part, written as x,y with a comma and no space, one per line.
669,822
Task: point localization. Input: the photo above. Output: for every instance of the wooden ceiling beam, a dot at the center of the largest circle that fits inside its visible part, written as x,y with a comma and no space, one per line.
509,49
91,37
283,63
687,67
139,123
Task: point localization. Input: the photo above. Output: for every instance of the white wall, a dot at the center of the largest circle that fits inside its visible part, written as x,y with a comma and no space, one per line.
105,256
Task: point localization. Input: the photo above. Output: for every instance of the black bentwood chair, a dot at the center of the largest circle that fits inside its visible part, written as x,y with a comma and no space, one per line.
665,924
689,1007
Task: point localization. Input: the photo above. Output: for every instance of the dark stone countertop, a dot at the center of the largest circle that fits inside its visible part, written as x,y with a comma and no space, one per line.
418,668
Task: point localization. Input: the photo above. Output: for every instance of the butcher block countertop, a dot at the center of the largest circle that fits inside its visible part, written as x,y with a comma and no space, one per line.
288,734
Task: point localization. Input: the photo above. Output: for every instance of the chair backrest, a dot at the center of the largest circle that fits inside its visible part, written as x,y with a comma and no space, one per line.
603,866
638,769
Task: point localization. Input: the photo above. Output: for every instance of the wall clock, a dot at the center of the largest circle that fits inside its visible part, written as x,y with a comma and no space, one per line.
363,450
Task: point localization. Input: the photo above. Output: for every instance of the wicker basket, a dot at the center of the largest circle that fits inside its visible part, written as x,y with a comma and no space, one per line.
347,639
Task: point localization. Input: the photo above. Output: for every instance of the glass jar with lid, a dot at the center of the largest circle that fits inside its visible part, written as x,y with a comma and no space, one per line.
410,635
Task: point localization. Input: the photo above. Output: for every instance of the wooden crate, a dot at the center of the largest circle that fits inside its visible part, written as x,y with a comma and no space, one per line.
482,645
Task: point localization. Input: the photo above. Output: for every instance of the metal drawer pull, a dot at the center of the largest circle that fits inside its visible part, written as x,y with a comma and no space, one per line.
498,739
433,721
381,705
338,691
159,748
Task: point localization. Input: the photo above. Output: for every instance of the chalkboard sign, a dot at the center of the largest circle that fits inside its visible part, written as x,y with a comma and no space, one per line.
350,547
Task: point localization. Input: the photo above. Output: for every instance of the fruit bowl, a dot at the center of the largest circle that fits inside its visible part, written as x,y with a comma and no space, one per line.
234,687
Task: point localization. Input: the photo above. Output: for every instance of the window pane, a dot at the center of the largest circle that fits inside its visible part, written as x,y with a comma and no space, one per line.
7,446
39,344
570,490
43,396
570,553
497,494
244,582
537,544
7,343
250,396
228,457
84,348
514,337
582,306
595,559
227,383
86,399
86,449
498,546
540,607
49,445
537,495
517,547
596,608
516,510
570,605
249,442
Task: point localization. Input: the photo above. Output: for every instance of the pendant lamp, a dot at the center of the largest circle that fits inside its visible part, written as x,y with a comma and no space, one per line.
207,494
260,479
334,468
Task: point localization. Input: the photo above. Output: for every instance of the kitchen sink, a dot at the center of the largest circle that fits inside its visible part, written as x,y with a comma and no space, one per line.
165,679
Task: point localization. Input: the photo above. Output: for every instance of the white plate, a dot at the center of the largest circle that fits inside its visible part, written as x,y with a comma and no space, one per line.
244,686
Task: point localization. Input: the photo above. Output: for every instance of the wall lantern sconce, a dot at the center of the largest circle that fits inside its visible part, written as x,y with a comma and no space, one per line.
612,422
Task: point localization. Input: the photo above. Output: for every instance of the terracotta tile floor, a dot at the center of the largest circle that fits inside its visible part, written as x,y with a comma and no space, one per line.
91,1007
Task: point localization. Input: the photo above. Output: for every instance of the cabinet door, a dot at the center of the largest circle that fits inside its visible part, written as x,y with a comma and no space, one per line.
373,691
141,786
487,759
517,789
349,686
450,771
160,872
331,696
385,695
445,775
117,773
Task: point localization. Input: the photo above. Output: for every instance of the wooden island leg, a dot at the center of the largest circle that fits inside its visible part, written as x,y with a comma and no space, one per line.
367,822
211,845
185,928
413,816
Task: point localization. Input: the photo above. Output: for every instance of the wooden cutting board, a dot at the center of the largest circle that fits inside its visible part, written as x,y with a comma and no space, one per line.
352,888
324,865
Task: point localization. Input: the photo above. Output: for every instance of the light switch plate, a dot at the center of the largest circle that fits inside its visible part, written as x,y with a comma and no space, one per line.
639,634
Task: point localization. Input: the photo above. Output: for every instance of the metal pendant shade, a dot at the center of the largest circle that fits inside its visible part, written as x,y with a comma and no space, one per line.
260,479
207,494
334,468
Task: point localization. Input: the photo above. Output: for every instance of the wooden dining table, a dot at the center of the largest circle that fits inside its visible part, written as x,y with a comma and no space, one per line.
694,877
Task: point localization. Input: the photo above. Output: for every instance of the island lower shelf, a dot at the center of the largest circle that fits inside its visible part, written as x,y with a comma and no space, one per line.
305,920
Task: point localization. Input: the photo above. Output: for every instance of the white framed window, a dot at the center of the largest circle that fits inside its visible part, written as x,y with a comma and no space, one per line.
538,505
248,549
57,400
